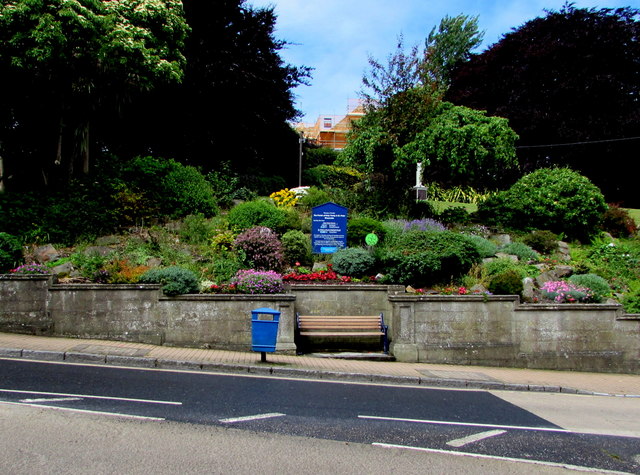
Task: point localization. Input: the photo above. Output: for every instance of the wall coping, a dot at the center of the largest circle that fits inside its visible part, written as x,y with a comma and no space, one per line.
25,276
61,287
229,297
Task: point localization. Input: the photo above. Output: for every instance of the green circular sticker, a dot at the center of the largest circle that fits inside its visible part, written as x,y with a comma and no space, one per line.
371,239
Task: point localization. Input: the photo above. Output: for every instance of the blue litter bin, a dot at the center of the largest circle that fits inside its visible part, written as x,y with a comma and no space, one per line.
264,330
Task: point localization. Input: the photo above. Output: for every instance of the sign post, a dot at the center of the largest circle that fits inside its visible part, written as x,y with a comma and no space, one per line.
328,228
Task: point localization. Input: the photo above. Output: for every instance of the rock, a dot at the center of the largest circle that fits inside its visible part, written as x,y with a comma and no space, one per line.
108,241
479,289
45,253
63,270
507,256
563,251
154,262
556,273
501,239
529,290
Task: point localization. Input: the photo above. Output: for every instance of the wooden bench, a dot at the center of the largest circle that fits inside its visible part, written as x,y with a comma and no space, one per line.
343,326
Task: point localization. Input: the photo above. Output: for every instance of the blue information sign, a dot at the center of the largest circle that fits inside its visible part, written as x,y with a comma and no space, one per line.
328,228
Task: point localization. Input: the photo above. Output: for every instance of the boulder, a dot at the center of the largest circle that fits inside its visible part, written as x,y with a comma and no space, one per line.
45,253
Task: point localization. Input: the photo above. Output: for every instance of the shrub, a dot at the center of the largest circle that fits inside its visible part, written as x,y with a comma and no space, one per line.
258,282
485,247
421,258
631,301
175,280
557,199
195,229
497,266
507,282
561,291
225,268
120,271
314,197
354,262
617,222
358,228
599,287
10,252
88,263
261,247
521,250
422,209
611,260
455,215
320,156
296,247
284,198
255,213
423,224
333,176
543,241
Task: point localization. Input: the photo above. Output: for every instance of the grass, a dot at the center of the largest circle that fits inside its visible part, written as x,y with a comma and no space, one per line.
635,214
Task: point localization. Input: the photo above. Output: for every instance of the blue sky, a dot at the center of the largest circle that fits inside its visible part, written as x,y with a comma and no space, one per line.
337,36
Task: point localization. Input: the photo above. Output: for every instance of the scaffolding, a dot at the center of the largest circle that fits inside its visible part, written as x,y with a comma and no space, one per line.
331,130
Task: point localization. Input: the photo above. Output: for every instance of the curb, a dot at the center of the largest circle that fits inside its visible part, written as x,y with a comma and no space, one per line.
278,371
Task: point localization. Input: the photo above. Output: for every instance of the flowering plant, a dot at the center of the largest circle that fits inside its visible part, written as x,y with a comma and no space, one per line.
561,291
31,269
257,282
301,274
284,198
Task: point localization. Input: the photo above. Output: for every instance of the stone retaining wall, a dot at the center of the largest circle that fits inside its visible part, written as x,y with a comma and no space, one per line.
493,331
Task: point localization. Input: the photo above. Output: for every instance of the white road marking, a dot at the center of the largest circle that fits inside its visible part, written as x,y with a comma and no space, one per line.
466,424
256,417
495,457
87,396
84,411
475,438
52,399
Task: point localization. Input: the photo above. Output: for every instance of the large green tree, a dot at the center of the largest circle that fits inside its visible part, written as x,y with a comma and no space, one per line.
65,62
569,83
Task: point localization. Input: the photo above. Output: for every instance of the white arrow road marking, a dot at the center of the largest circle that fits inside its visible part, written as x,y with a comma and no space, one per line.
52,399
256,417
88,396
475,438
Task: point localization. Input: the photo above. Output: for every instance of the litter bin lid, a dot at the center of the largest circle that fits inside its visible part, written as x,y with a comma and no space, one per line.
266,310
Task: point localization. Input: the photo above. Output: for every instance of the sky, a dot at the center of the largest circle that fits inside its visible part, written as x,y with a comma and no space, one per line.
336,37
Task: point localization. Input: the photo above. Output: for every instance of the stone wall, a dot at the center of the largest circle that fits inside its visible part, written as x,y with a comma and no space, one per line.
470,329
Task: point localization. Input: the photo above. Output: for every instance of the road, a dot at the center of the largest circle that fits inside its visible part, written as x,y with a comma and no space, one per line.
557,430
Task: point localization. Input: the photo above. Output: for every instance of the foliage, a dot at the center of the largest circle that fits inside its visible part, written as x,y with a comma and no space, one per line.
314,197
557,199
225,267
358,228
543,241
31,269
301,274
353,261
507,282
428,257
631,301
262,248
455,215
296,247
66,61
284,198
333,176
617,222
196,229
175,280
521,250
566,78
123,271
599,287
561,291
485,247
88,263
257,282
10,251
255,213
225,184
422,209
503,264
463,146
613,261
457,193
319,156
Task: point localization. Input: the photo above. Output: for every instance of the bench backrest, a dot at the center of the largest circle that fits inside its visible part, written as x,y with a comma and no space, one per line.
350,322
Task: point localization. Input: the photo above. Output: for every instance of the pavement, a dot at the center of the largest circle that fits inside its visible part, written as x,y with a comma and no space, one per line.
315,366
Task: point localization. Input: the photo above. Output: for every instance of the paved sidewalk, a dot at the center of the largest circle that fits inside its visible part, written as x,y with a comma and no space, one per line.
73,350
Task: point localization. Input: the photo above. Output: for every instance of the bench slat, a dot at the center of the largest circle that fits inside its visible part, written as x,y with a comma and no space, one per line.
341,333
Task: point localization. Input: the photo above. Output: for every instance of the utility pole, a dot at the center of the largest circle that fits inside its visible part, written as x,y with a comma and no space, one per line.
300,141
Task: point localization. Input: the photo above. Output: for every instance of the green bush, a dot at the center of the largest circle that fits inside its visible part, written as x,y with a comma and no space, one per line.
353,262
314,197
256,213
543,241
332,176
485,247
507,282
358,228
196,229
423,258
10,252
320,156
599,286
557,199
631,301
296,247
175,280
617,222
422,209
258,282
521,250
455,215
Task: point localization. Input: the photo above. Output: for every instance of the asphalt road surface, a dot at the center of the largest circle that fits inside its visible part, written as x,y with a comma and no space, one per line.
396,418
